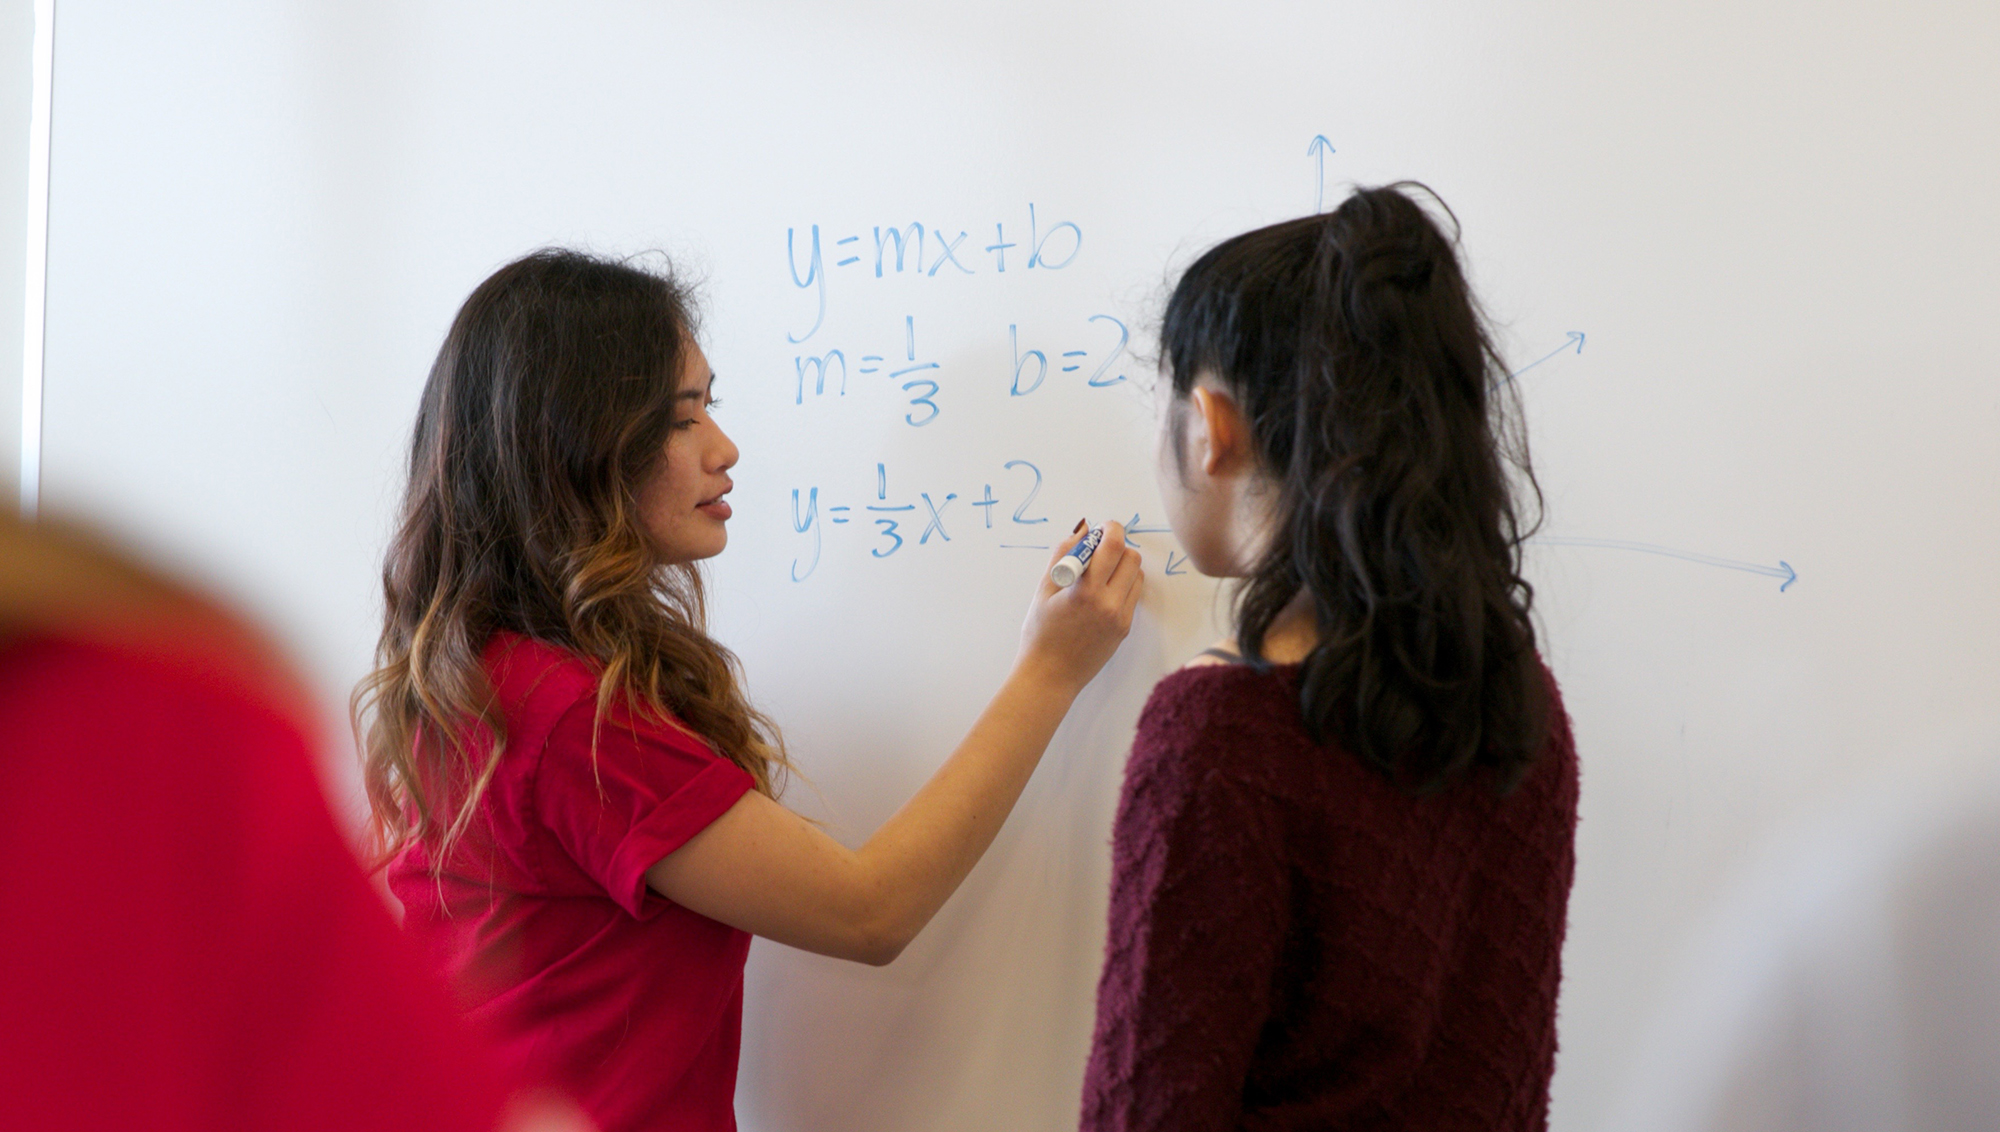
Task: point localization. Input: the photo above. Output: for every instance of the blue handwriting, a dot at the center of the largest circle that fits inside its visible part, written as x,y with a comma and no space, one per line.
896,516
1574,341
921,389
1782,570
921,519
923,251
1317,149
1026,380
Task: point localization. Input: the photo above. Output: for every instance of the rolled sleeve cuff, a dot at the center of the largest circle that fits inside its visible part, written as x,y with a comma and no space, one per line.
677,818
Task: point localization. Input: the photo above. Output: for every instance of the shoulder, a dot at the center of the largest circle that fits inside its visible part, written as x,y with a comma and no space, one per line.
1221,652
521,661
94,605
1212,765
622,728
152,687
1210,718
1558,769
1219,695
536,682
548,691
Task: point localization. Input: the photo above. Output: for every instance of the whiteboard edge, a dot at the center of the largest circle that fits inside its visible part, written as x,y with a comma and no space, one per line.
35,322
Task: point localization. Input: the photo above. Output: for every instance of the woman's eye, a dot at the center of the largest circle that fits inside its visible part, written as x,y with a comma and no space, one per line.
693,421
714,403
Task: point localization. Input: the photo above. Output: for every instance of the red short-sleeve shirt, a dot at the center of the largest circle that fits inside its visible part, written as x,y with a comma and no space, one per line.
594,983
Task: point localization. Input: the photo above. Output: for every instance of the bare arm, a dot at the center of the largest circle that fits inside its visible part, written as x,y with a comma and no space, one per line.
762,868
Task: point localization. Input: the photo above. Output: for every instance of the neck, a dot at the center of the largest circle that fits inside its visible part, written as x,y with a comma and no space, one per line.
1293,632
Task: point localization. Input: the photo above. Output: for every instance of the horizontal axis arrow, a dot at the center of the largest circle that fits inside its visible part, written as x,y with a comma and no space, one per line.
1782,570
1573,341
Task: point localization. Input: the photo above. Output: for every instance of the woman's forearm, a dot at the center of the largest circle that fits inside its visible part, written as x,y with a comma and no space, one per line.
917,859
764,869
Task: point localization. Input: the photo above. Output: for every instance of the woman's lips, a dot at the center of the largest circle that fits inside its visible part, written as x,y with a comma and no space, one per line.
718,510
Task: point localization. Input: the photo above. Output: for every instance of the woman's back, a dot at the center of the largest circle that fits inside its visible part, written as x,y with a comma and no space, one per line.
588,980
1296,942
1342,870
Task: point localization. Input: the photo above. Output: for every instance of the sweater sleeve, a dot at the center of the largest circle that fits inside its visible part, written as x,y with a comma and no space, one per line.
1199,913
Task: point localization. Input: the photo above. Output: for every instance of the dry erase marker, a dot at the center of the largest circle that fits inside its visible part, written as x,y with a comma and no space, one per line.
1070,566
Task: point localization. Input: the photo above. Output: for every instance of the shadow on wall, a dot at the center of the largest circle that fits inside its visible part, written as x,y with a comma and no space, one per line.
1850,982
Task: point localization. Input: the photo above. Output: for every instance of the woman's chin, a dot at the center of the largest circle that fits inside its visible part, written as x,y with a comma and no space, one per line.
689,554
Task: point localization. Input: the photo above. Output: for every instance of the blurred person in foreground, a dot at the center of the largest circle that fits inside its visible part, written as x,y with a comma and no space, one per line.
189,943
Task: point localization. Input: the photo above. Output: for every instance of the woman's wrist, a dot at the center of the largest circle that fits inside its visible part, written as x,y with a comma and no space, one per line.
1043,679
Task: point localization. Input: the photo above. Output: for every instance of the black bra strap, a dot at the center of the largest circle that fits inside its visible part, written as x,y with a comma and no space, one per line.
1222,654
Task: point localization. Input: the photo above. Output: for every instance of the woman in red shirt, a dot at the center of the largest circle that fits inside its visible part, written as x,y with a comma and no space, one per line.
576,793
1343,853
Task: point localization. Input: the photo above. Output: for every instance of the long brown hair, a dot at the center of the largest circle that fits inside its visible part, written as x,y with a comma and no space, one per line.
550,402
1379,407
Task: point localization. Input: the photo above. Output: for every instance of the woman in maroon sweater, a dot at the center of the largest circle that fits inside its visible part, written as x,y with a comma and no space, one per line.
1344,850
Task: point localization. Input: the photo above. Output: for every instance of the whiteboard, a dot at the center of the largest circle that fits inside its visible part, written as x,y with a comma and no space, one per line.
1748,249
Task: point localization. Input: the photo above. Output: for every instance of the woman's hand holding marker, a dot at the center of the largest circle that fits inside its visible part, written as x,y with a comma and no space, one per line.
1073,629
1070,566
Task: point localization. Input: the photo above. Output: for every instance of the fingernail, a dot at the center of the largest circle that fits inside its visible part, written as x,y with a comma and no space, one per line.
1080,524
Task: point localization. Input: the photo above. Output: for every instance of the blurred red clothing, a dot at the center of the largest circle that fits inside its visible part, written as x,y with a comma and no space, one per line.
188,942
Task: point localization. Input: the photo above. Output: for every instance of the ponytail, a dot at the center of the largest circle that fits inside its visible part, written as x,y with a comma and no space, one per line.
1359,357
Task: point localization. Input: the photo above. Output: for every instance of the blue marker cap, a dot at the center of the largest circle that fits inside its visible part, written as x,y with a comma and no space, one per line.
1070,566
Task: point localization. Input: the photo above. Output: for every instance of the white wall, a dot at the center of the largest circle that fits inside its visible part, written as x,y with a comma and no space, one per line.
1774,222
17,41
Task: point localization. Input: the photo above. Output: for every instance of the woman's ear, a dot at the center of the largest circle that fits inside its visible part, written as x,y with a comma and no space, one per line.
1221,435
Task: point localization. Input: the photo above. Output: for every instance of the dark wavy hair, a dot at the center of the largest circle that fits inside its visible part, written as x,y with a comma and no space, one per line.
1380,411
550,402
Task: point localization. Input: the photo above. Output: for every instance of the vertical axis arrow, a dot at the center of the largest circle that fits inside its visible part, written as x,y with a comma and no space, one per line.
1317,149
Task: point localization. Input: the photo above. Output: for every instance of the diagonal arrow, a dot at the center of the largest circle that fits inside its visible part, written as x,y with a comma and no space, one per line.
1782,570
1575,339
1318,148
1173,568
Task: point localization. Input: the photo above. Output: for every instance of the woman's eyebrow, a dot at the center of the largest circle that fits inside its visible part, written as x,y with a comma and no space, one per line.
698,394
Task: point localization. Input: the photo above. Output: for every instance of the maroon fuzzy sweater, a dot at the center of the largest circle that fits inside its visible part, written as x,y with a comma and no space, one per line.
1297,944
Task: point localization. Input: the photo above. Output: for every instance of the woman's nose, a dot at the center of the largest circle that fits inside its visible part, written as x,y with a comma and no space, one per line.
725,453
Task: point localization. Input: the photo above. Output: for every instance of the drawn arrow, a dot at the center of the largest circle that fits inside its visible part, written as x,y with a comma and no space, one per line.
1318,148
1173,568
1782,570
1575,339
1134,528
